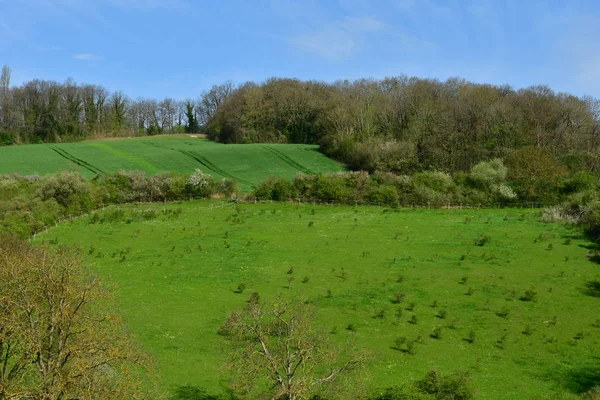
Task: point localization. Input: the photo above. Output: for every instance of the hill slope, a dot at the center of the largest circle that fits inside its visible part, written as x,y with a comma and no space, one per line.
246,163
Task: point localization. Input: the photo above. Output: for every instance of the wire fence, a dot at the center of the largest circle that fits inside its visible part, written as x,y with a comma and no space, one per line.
216,205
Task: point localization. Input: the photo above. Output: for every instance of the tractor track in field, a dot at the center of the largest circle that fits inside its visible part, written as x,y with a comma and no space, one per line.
205,163
84,164
213,167
286,159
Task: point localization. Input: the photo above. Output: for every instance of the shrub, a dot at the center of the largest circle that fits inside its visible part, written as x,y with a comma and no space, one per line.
488,173
69,189
456,386
199,184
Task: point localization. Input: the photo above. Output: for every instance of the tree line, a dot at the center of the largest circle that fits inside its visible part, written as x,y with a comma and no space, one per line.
398,124
42,111
404,125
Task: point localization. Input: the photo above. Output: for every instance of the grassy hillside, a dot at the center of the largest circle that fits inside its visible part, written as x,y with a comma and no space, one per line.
515,299
247,164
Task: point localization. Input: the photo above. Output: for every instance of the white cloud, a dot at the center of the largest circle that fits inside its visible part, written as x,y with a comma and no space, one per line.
331,44
87,57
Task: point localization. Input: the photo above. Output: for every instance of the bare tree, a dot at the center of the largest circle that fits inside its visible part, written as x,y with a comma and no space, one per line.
277,344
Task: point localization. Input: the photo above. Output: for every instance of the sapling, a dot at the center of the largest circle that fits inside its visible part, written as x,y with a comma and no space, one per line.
398,298
528,330
471,337
399,342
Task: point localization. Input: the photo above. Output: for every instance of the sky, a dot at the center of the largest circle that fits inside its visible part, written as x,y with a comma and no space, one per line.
179,48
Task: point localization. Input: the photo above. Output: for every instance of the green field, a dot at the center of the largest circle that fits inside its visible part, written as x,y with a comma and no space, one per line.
175,277
246,163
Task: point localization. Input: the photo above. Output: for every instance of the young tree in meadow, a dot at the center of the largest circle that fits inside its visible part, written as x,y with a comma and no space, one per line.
277,351
58,339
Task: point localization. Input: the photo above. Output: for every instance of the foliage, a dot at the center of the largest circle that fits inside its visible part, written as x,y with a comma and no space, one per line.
57,336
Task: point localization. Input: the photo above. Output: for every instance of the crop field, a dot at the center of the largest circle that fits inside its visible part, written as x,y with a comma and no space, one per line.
494,292
248,164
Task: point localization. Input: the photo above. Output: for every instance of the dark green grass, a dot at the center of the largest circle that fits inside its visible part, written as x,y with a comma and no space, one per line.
177,279
247,164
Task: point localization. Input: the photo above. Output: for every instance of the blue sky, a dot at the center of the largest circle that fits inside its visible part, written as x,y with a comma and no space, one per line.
177,48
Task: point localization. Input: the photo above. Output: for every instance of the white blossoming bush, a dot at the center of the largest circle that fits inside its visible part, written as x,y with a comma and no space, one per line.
504,191
200,184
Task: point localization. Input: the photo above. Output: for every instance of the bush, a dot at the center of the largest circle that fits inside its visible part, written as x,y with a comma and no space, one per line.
200,184
488,173
69,189
456,386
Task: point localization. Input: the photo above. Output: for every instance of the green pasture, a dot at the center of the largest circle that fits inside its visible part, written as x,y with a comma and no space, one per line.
175,274
246,163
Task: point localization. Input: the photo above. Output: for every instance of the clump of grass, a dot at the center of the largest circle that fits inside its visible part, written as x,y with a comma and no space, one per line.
442,314
290,271
328,295
351,327
482,240
454,324
434,304
467,220
410,347
504,312
399,313
398,298
470,291
436,334
333,330
579,336
528,331
463,280
471,337
305,279
254,298
240,289
379,314
501,342
529,295
411,306
399,342
400,279
413,320
311,224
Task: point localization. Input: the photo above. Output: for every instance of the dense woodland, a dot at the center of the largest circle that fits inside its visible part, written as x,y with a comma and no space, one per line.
399,124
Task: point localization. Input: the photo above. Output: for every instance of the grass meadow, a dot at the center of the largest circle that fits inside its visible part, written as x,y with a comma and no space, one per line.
495,292
248,164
